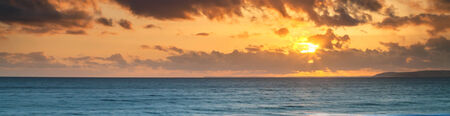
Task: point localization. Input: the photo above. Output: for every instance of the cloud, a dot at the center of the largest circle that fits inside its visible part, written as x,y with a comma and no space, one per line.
277,5
168,49
118,59
202,34
332,55
372,5
160,48
329,40
186,9
438,23
335,13
144,47
115,60
254,48
105,21
178,50
440,6
76,32
416,56
439,44
342,18
271,62
38,29
152,26
45,14
125,24
282,31
433,54
339,13
28,60
39,60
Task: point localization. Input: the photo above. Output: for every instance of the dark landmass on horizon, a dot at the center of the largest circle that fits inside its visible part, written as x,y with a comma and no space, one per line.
425,73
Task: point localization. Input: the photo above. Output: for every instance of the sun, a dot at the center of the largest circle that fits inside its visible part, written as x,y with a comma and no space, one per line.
305,47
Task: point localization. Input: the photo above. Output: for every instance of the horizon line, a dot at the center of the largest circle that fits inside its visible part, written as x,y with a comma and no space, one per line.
206,77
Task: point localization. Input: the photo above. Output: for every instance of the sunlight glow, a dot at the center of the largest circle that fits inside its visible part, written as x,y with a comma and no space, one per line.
310,61
306,47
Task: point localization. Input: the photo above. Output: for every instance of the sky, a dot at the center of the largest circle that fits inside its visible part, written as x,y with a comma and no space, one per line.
222,38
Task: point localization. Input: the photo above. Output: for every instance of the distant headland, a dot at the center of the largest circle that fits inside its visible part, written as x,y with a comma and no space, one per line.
425,73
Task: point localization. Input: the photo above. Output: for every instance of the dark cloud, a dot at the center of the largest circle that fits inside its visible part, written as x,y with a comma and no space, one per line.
282,31
340,13
42,13
105,21
185,9
342,18
76,32
144,47
169,49
254,48
439,44
372,5
85,61
178,50
118,60
160,48
125,24
330,13
28,60
149,26
329,40
277,5
416,56
38,29
115,60
438,23
202,34
270,62
440,6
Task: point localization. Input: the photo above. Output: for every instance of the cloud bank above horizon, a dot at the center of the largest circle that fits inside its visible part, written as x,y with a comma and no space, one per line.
222,37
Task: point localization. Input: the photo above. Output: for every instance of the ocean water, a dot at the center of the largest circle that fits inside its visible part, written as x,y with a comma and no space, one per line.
225,96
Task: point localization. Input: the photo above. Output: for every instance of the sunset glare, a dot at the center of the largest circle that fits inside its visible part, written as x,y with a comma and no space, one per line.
306,47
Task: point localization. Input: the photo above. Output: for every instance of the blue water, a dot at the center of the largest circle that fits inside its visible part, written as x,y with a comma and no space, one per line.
236,96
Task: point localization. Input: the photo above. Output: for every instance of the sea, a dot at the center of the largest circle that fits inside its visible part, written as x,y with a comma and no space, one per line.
364,96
